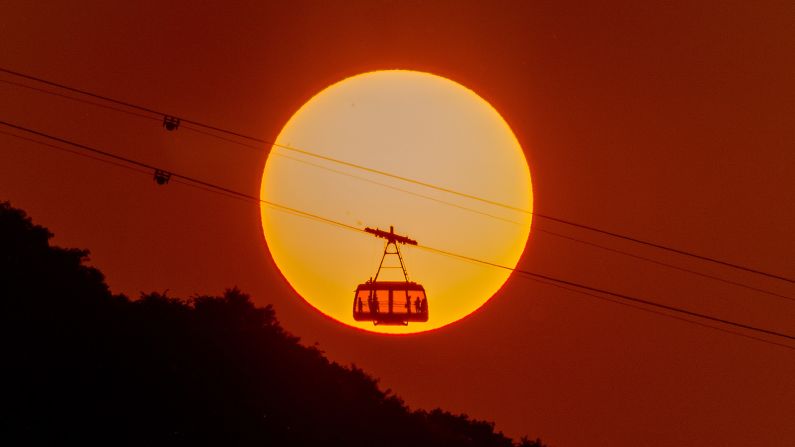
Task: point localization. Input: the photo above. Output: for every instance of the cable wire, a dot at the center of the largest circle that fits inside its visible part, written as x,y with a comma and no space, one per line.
667,248
552,233
608,292
664,264
657,312
402,178
472,210
177,175
74,98
526,273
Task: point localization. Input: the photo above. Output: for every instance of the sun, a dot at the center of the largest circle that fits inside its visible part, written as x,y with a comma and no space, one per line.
404,149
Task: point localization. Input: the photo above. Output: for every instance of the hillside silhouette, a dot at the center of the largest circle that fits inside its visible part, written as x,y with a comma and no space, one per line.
84,366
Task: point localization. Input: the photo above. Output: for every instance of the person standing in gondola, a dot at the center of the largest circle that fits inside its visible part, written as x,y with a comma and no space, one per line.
408,304
417,304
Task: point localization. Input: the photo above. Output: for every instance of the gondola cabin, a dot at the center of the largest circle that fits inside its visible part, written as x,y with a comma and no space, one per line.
390,302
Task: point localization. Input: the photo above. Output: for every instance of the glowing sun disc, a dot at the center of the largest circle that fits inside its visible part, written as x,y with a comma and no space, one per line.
414,125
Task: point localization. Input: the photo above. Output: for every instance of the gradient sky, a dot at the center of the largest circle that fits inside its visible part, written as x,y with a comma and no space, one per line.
672,122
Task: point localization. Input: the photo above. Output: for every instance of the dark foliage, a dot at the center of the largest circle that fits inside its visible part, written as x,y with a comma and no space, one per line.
83,366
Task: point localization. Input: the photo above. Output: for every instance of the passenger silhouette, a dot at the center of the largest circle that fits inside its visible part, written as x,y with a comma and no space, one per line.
408,304
417,304
360,304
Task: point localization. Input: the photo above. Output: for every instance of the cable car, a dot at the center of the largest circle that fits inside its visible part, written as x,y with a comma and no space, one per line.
170,123
392,303
162,177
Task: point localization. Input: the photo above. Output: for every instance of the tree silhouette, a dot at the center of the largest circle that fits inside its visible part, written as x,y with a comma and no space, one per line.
84,366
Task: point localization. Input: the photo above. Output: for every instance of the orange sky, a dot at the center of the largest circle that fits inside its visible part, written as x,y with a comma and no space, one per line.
672,123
